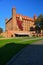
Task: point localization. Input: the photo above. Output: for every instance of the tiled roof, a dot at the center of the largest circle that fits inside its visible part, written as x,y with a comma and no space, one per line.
24,17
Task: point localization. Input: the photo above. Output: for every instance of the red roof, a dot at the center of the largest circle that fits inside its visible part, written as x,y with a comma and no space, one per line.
24,17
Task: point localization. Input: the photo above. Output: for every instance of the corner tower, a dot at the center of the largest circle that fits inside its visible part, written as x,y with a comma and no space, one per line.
35,17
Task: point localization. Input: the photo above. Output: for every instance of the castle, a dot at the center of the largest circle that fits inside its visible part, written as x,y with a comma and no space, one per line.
19,25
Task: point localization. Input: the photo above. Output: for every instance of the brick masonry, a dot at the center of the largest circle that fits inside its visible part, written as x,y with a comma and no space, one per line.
18,24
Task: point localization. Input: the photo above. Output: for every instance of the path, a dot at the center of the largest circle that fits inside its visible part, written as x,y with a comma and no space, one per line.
30,55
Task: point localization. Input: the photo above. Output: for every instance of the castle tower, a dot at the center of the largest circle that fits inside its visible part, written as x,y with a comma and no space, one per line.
35,17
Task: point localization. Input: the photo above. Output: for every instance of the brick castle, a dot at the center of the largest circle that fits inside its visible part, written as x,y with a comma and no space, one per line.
18,24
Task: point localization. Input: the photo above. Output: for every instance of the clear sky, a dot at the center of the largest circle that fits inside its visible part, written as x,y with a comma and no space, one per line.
25,7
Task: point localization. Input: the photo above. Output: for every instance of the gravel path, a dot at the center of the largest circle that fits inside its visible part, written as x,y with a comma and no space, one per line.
30,55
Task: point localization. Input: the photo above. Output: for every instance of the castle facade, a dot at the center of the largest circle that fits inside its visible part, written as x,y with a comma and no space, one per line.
19,24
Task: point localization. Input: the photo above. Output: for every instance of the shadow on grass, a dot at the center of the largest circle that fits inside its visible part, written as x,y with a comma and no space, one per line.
35,53
8,51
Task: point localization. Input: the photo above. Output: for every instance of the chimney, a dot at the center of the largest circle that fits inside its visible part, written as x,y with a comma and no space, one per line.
14,22
6,19
14,13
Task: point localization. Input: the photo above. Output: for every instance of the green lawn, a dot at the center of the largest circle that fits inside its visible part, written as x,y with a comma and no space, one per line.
1,37
9,47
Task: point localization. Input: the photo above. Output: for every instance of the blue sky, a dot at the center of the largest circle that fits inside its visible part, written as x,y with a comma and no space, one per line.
25,7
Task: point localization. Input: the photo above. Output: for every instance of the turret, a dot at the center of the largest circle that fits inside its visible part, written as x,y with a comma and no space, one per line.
35,17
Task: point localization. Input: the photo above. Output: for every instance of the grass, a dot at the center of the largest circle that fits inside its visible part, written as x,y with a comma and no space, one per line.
9,47
1,37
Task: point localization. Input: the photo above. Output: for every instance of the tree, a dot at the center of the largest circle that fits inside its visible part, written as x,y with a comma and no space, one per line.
39,22
1,30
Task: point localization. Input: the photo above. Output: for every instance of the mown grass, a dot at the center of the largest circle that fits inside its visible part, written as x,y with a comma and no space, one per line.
9,47
1,37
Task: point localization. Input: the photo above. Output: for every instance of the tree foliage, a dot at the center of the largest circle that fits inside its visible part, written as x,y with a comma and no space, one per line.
39,22
1,30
